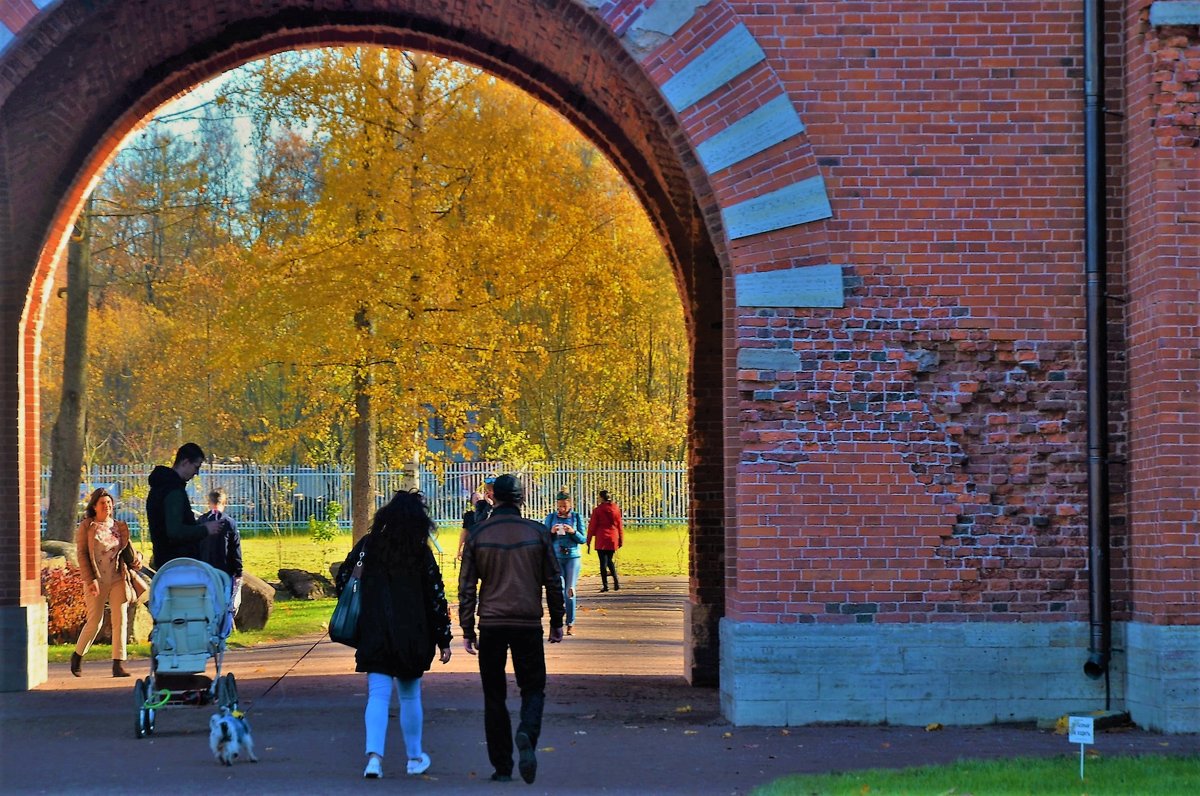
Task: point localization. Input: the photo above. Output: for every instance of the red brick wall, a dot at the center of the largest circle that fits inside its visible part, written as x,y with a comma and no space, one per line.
949,136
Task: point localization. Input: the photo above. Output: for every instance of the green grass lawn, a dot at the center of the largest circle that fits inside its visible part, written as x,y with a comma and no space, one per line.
1059,776
649,551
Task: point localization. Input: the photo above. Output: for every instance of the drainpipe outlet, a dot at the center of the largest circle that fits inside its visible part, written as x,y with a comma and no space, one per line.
1097,665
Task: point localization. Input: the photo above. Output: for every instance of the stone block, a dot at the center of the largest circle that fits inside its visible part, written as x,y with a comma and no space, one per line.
721,62
1175,12
810,286
658,23
1163,662
752,713
773,122
23,646
768,359
794,204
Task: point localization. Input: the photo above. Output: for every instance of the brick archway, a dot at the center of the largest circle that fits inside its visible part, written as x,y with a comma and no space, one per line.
78,82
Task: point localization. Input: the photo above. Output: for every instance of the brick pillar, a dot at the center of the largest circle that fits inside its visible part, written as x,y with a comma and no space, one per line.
1163,200
22,609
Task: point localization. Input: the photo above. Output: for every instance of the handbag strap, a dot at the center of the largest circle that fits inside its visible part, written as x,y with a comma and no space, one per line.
356,573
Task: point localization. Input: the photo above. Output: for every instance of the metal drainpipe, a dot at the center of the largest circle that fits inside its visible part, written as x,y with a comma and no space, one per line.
1095,232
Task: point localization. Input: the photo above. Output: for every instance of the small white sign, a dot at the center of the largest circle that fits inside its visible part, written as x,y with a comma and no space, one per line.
1082,729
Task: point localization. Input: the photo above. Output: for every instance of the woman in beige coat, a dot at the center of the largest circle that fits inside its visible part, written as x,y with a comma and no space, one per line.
105,557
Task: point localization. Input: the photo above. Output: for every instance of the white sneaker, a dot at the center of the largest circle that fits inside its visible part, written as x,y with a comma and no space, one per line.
419,765
374,769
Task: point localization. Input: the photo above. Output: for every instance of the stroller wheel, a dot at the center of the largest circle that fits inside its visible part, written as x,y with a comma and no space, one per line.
140,727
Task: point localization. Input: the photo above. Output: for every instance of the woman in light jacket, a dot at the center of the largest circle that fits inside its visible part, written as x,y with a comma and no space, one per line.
100,541
566,534
404,618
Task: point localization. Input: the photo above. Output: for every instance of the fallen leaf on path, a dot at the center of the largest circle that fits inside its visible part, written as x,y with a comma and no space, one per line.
684,709
727,735
691,732
934,727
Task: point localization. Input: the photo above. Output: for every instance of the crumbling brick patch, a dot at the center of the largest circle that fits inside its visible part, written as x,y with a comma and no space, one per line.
1013,464
1175,84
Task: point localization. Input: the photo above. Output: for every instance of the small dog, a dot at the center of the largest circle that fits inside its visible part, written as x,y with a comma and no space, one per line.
229,737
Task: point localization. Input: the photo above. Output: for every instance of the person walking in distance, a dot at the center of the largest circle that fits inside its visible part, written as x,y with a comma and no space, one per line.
566,532
605,527
481,509
507,561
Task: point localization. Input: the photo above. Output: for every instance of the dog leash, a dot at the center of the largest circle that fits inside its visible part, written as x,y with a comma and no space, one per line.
279,679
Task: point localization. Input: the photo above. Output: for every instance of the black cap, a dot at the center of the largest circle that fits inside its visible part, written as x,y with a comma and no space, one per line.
508,489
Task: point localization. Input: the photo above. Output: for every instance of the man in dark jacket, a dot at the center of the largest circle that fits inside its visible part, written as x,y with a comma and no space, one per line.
174,532
514,559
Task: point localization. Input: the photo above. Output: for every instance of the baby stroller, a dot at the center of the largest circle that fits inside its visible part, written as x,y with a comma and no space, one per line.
193,614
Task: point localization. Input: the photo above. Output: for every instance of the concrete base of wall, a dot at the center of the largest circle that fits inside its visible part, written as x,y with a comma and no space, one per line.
1163,691
23,646
964,673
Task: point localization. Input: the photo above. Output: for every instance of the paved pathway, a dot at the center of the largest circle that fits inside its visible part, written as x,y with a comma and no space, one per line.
620,720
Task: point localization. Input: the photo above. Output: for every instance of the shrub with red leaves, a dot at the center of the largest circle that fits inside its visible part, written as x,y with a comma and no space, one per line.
63,590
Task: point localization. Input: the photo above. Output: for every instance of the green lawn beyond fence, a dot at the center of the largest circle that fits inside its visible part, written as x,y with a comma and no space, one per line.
648,550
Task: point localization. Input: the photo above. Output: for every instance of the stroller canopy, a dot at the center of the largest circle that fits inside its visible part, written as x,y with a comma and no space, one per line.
190,572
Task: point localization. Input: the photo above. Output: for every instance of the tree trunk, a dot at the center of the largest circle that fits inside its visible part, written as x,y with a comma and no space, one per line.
66,441
362,488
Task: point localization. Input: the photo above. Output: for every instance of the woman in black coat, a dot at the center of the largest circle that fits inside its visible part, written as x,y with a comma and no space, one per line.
404,617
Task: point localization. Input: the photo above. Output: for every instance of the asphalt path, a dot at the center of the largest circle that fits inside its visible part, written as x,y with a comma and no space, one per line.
620,719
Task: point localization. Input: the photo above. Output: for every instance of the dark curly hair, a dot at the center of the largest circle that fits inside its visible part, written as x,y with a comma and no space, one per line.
401,528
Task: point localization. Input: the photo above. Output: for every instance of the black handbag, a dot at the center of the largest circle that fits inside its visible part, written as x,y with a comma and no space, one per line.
343,625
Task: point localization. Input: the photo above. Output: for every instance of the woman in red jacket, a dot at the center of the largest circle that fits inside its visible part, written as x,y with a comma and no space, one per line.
606,528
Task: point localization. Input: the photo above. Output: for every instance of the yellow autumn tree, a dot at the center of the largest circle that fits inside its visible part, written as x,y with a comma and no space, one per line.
418,244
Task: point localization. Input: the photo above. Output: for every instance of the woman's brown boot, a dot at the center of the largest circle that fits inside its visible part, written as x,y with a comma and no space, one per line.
76,664
119,669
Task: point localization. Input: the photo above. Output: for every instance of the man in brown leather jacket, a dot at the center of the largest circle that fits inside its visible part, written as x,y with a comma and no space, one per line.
513,559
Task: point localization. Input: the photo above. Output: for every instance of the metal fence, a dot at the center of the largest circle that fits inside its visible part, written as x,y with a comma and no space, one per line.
282,499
